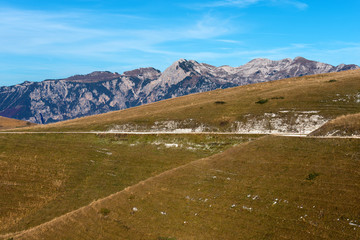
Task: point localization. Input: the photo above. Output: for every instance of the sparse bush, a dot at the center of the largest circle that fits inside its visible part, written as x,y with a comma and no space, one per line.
224,123
166,238
262,101
312,176
219,102
104,211
332,80
131,197
281,97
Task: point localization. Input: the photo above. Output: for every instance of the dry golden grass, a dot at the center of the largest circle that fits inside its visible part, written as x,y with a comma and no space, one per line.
271,188
347,125
309,93
44,176
9,123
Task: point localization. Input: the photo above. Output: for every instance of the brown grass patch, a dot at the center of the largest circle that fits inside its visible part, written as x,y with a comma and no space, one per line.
9,123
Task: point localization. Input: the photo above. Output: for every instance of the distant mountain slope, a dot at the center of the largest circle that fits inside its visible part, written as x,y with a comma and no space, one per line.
99,92
296,105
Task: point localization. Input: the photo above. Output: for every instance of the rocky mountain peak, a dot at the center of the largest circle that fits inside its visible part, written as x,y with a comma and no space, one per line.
259,62
302,60
104,91
96,76
149,73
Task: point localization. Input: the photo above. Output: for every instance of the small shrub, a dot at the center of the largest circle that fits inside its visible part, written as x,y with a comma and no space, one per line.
281,97
224,123
166,238
131,197
262,101
332,80
312,176
219,102
104,211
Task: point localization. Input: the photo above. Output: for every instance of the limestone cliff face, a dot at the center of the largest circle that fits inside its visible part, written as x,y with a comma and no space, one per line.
57,100
99,92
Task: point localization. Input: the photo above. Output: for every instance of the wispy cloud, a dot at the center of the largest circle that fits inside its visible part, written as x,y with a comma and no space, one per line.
247,3
298,4
230,41
230,3
317,51
33,32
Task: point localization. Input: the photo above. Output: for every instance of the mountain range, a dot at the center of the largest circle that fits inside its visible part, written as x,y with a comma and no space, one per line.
55,100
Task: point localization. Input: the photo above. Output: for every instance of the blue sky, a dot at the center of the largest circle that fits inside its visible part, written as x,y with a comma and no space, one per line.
55,39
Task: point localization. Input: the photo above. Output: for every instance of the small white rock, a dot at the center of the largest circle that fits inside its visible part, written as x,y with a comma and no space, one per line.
135,209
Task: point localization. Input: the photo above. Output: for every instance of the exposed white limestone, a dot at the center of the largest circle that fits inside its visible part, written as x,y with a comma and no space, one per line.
289,122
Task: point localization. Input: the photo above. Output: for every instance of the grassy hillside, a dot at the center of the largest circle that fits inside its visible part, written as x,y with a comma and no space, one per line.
348,125
320,97
271,188
46,175
8,123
